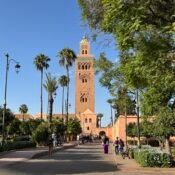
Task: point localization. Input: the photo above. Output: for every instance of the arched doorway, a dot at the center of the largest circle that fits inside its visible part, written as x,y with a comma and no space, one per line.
101,133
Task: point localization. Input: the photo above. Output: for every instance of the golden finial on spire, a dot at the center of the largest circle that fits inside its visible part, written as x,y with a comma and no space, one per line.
84,40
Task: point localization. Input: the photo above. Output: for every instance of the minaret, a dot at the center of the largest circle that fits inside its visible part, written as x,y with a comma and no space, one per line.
84,78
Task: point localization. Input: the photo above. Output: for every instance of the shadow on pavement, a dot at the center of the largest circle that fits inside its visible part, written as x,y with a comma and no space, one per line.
73,161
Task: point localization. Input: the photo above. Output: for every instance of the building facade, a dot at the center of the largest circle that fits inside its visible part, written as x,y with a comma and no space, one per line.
85,88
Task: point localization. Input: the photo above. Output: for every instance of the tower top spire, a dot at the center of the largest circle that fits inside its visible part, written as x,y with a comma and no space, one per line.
84,40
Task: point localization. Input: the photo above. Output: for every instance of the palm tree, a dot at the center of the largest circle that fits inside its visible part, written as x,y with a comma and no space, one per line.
41,63
23,109
51,87
67,58
63,81
99,116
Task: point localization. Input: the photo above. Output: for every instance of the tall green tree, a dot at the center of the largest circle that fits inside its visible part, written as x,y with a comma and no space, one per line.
9,116
63,81
66,58
41,63
14,127
74,127
144,33
23,109
51,87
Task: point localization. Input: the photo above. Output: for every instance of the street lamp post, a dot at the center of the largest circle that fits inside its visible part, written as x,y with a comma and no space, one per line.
17,67
138,117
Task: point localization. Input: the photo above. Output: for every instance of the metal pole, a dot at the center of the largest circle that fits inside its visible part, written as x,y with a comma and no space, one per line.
138,122
111,115
126,142
5,96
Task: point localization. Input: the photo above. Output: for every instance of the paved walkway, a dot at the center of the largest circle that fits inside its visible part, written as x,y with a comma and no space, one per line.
11,157
90,156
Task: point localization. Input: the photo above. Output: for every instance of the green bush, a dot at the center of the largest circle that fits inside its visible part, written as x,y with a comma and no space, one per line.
132,142
152,158
22,138
40,135
9,145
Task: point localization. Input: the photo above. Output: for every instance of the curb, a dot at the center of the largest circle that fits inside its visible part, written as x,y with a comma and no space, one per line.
45,152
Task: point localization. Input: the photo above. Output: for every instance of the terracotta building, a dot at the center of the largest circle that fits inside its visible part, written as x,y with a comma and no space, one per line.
84,88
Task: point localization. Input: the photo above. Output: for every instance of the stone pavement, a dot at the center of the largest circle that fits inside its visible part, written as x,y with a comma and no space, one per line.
15,156
125,166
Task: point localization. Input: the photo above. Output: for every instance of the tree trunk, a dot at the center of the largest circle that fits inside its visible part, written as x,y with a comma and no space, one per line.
41,97
50,107
63,102
167,145
67,104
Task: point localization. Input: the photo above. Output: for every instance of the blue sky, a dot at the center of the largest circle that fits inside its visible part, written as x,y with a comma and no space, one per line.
31,27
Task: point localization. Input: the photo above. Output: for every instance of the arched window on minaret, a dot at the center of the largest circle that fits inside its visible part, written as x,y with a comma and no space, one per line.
89,66
86,52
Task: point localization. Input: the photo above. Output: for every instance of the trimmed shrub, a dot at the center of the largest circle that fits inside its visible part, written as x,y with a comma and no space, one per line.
41,134
152,158
9,145
22,138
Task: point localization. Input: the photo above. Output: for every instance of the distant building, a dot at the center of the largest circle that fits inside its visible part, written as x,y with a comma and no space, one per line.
23,117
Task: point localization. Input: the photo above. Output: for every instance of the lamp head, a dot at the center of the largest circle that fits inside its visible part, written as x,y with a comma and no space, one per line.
17,67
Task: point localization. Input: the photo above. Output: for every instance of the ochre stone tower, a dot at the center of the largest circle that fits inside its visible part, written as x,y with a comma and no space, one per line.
84,87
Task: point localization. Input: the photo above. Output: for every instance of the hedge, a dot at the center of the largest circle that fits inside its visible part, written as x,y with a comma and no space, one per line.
151,157
9,145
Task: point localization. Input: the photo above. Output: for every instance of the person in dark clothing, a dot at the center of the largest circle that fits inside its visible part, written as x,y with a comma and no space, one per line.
105,142
50,144
116,144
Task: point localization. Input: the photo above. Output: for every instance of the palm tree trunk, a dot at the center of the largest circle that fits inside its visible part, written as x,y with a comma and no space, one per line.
67,97
41,97
167,145
50,107
23,116
63,102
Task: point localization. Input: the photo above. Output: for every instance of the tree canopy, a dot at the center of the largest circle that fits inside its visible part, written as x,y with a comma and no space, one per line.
144,32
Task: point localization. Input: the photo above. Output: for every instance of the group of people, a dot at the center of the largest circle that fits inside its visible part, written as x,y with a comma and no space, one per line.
84,138
118,144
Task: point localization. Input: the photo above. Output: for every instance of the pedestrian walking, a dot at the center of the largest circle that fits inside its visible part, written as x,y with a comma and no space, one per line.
78,139
121,146
50,145
116,145
105,143
54,137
